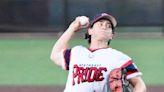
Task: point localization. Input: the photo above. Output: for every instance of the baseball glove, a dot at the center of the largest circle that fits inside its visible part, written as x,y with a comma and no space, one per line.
118,81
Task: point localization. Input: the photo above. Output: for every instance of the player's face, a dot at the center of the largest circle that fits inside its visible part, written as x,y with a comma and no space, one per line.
102,30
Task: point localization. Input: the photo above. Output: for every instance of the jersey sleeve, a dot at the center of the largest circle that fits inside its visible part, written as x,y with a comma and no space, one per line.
132,70
128,63
66,55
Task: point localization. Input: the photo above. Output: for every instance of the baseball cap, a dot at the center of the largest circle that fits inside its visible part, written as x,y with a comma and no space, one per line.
104,16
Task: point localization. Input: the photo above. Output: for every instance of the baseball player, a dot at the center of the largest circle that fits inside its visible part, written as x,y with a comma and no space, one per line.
91,68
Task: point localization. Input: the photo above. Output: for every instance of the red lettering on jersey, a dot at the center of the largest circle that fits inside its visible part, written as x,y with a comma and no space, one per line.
88,74
75,73
100,74
85,74
80,75
92,74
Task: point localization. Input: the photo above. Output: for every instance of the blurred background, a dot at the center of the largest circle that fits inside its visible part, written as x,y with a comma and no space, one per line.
55,15
29,28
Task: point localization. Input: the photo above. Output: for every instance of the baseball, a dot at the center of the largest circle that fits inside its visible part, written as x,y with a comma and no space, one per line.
84,20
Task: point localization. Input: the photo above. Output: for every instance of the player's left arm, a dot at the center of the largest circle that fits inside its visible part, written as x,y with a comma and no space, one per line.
134,77
138,84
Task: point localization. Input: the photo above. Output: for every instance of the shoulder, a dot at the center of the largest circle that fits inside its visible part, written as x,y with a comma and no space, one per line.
119,53
72,50
123,59
78,48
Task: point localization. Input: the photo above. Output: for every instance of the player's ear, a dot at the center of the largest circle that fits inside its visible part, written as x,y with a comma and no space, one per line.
111,37
90,31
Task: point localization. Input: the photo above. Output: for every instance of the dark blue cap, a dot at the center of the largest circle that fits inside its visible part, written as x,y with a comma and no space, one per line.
104,16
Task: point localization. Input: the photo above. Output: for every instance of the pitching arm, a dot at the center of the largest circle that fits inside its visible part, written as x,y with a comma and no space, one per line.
63,41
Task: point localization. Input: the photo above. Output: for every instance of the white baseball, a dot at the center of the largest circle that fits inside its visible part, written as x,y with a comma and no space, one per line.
84,20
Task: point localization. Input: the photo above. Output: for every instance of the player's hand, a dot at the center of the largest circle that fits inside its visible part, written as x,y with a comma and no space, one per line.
76,25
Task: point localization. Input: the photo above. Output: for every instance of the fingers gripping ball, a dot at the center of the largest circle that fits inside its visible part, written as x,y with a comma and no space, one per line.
84,21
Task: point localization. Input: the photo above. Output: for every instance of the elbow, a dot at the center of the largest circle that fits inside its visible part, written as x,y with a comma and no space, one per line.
140,89
144,88
138,84
54,58
51,57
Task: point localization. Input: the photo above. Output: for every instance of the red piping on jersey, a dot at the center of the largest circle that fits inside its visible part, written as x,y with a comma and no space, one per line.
65,60
66,67
70,56
126,64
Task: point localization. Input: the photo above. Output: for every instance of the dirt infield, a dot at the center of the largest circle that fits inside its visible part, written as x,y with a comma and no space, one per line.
57,88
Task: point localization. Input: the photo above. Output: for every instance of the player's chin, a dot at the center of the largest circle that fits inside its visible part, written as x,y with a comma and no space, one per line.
104,36
107,37
104,39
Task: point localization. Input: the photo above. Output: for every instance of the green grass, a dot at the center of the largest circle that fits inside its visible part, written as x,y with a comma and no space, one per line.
148,54
26,62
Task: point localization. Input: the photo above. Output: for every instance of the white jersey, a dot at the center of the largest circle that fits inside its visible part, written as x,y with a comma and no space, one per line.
89,70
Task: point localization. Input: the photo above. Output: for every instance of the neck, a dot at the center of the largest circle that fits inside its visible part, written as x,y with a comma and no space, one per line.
98,44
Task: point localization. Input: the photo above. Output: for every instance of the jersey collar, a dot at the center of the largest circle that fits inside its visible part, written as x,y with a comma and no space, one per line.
93,50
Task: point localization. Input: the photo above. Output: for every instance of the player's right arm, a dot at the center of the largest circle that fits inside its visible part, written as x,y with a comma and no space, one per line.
63,42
